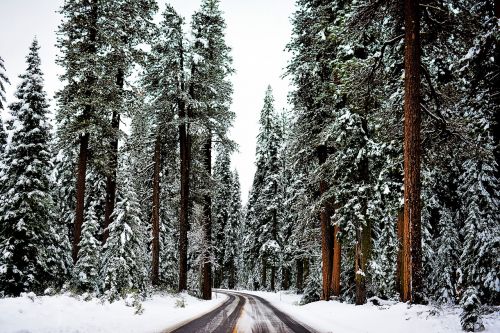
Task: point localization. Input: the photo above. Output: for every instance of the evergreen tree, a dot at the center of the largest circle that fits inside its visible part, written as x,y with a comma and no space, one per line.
232,247
86,275
31,258
210,89
222,200
264,206
124,258
471,317
3,80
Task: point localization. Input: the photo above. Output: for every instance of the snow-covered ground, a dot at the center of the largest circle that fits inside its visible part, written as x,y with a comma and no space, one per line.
387,318
64,313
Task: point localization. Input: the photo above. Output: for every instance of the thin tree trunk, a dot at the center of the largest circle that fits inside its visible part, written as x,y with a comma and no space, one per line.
497,9
273,276
496,95
264,274
185,161
412,244
207,224
113,164
155,216
337,257
299,282
83,154
326,233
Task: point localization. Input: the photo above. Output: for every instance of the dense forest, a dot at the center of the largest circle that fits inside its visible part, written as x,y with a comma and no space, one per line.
382,180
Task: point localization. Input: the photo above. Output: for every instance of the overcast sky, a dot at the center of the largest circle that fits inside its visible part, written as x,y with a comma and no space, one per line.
257,32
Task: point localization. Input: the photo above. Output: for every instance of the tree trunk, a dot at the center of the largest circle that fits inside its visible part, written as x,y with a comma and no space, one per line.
412,244
185,161
155,216
207,223
337,257
80,193
497,9
326,233
363,233
496,96
264,275
299,282
83,154
113,164
285,282
273,276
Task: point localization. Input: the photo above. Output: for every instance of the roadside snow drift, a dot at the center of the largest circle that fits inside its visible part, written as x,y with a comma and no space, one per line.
65,313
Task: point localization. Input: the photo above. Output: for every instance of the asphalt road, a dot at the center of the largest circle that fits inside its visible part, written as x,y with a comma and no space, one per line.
244,313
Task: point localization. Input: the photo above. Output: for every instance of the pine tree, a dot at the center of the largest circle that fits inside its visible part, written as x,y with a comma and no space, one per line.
264,202
232,233
211,91
31,258
471,317
124,258
86,275
125,24
82,100
3,80
222,200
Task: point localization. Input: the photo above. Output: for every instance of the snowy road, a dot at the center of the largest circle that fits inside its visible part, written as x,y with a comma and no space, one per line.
243,313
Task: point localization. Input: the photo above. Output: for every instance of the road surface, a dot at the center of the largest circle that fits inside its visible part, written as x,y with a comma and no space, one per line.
242,313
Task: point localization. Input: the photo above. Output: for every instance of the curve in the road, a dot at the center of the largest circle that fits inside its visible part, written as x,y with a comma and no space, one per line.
243,312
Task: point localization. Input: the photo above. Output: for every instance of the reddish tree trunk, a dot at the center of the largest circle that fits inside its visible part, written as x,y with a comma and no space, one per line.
337,256
207,224
412,246
155,248
326,233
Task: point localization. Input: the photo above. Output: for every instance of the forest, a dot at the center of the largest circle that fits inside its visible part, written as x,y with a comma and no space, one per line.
380,181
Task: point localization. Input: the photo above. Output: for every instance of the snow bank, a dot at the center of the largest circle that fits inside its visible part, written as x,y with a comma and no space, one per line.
64,313
387,318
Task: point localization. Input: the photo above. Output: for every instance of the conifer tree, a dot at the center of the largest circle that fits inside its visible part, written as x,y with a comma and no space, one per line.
3,80
31,258
232,247
125,251
264,203
211,91
222,200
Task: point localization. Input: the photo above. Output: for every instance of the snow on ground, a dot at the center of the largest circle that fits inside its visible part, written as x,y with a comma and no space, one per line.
390,317
64,313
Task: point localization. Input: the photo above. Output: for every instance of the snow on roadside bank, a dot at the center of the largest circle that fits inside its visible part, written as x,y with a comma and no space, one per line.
64,313
390,318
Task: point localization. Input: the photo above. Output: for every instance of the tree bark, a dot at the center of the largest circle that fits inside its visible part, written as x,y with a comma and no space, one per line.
207,224
185,166
113,164
326,233
155,216
264,275
412,245
337,256
80,193
285,282
299,282
83,154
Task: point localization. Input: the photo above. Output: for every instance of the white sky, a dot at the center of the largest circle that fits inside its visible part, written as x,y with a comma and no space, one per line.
257,32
